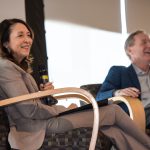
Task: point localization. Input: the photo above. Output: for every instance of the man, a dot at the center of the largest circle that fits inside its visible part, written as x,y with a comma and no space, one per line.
134,80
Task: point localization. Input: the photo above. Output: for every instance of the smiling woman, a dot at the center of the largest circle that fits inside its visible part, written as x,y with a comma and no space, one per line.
22,37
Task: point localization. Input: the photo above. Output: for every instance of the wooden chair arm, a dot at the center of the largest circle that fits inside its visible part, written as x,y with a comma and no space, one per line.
61,93
135,107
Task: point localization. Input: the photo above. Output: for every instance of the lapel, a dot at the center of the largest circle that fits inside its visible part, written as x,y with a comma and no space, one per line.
28,79
133,77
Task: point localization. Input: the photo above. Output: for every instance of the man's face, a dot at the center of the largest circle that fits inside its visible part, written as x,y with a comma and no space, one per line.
140,51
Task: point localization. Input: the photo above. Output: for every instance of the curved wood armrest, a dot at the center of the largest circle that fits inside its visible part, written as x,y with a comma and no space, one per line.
62,92
135,107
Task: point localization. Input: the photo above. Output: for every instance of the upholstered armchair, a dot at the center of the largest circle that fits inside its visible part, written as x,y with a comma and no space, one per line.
77,139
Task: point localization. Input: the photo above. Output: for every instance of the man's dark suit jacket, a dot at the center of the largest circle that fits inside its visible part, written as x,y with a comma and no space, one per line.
118,77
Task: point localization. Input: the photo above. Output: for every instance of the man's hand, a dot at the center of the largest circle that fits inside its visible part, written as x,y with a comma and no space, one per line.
131,91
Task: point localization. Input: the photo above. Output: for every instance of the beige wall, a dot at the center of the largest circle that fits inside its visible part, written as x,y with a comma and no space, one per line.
12,9
138,15
102,14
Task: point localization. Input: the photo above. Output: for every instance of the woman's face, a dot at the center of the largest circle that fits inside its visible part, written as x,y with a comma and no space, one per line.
20,41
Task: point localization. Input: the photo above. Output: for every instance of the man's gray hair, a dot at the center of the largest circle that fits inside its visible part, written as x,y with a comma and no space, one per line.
130,40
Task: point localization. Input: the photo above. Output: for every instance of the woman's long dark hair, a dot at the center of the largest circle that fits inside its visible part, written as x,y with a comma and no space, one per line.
5,30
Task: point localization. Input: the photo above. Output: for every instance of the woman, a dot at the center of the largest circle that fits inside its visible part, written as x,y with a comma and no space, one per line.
31,120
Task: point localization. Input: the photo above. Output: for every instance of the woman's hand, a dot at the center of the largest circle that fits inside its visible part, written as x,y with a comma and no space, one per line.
72,106
46,86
